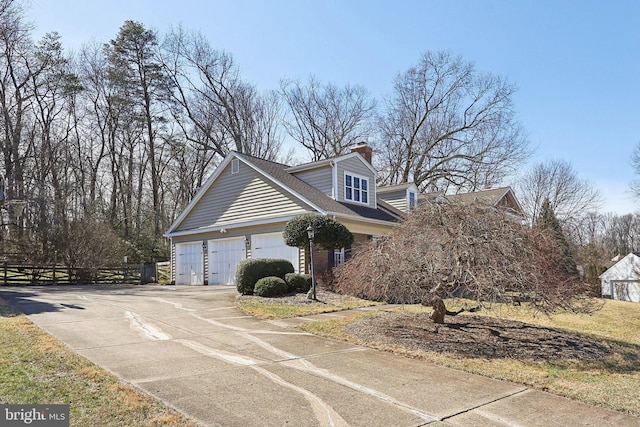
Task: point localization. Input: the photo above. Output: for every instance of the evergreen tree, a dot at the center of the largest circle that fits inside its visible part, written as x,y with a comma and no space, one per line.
137,73
547,220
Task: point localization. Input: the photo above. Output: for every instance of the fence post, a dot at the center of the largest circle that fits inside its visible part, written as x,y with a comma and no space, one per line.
4,268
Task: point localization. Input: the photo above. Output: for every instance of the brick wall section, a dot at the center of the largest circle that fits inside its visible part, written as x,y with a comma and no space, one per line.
323,259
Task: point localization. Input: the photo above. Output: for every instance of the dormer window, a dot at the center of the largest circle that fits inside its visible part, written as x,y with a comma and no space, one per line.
412,200
356,188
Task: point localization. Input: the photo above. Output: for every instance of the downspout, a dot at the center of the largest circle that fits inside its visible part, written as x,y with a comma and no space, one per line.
205,266
172,257
334,179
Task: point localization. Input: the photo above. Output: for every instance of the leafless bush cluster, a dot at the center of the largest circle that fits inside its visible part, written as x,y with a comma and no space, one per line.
447,249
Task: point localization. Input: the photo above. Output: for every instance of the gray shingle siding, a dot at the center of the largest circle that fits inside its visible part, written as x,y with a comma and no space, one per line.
320,178
396,198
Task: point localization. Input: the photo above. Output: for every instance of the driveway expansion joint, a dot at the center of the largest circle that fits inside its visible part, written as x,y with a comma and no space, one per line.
498,399
226,370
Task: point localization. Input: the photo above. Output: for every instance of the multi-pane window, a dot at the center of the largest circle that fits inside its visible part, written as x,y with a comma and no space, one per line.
412,200
340,256
356,188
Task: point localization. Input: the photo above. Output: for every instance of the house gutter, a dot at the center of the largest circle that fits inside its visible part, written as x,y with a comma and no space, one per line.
336,215
235,225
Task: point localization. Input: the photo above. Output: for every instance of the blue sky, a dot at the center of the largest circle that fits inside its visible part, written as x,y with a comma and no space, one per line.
576,63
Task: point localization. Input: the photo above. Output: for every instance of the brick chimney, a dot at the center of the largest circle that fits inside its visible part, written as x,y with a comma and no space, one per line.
364,150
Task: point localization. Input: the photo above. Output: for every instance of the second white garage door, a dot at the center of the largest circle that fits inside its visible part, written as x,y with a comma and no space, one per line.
224,256
272,246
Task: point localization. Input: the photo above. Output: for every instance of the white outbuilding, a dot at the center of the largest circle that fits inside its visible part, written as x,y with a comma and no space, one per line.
622,280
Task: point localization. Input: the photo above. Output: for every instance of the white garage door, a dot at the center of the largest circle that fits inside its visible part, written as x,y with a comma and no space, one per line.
224,256
273,246
189,264
626,291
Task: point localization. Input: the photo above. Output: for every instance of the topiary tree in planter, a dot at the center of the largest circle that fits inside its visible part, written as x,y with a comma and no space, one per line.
329,233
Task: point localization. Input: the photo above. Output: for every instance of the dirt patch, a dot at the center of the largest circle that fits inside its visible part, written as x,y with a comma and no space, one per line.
479,337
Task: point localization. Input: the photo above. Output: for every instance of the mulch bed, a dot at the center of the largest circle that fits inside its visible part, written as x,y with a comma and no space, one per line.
478,336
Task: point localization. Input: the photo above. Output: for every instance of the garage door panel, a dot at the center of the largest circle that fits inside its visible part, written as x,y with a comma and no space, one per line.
626,291
224,256
273,246
189,264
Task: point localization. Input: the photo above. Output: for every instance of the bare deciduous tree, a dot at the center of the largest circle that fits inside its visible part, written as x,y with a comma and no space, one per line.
54,87
325,119
472,250
569,196
34,84
620,234
635,163
16,54
446,125
95,133
219,111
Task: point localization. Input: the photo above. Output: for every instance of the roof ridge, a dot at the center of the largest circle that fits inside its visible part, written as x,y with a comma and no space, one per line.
312,195
260,158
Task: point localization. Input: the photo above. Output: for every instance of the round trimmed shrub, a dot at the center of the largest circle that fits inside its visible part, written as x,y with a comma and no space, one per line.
249,271
298,282
271,286
307,285
329,234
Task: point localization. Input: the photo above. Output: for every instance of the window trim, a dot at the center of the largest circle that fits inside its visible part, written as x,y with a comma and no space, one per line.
360,190
412,206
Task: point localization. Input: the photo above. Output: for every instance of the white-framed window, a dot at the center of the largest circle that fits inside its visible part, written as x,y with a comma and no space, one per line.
340,256
235,166
356,188
413,201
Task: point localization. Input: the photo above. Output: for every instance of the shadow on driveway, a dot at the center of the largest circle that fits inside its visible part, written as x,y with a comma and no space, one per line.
23,302
22,298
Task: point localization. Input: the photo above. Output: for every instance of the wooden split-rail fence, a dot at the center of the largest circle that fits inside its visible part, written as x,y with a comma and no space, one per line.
11,274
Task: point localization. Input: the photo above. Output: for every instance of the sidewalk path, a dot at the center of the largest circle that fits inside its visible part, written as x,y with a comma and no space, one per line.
192,348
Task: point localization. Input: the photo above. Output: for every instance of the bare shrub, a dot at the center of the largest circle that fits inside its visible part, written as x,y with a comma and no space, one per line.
91,244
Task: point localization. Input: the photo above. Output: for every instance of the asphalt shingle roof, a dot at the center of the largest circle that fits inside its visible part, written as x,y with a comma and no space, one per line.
277,171
394,187
491,196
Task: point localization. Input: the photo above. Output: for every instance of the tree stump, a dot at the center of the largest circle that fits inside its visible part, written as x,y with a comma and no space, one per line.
439,310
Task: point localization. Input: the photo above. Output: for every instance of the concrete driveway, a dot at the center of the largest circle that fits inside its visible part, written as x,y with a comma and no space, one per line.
190,347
